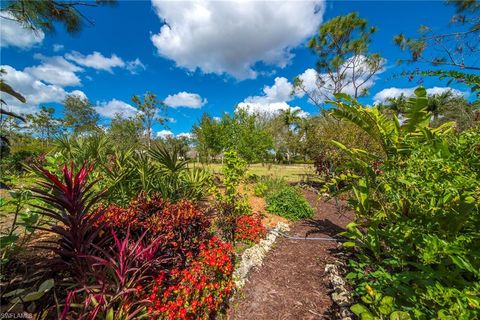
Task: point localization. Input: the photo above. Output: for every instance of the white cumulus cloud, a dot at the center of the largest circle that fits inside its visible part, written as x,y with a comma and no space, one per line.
394,92
320,86
55,70
35,91
58,47
185,135
185,99
96,60
270,109
135,66
13,34
230,37
278,92
113,107
163,134
79,93
275,99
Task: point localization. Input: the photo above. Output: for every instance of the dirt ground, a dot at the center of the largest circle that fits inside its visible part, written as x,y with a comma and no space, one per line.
291,282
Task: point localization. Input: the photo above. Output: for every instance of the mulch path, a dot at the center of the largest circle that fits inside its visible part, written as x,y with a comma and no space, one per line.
291,283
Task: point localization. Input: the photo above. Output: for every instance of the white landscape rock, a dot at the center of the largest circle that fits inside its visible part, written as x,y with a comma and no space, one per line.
340,295
253,257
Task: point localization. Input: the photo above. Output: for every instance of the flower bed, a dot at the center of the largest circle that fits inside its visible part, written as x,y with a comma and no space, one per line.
153,259
200,290
250,229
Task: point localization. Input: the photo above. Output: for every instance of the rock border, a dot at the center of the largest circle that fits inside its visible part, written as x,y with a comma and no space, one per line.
341,296
253,256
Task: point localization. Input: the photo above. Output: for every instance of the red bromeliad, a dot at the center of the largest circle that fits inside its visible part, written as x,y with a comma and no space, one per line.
70,204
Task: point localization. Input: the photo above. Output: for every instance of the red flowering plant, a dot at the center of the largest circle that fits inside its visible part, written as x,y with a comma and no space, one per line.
181,226
250,229
200,290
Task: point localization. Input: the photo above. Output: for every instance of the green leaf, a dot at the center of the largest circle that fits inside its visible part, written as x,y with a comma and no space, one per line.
399,315
343,96
46,285
32,296
13,293
367,299
109,314
386,305
349,244
367,316
359,309
7,240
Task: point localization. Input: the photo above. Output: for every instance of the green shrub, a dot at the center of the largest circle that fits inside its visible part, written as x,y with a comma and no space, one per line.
260,189
273,184
289,203
416,238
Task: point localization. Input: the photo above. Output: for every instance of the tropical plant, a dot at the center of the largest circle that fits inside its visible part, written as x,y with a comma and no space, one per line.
125,173
199,291
180,226
289,203
376,306
231,203
12,239
250,229
119,274
415,236
70,206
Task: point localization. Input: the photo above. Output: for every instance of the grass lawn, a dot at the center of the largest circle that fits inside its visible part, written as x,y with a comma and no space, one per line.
293,173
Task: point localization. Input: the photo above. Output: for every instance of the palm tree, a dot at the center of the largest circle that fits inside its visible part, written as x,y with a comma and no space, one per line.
436,103
397,105
290,116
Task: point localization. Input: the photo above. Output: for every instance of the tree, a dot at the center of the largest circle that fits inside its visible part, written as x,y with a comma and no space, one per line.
458,48
79,115
289,118
43,14
394,105
180,145
44,124
125,133
344,61
444,107
447,107
244,134
149,108
209,136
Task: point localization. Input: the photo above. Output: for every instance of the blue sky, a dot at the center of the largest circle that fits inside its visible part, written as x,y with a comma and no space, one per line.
208,57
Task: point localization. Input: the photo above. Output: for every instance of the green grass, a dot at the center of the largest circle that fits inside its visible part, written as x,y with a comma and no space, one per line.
293,173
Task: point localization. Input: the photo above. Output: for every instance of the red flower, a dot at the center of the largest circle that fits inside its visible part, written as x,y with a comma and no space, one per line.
250,229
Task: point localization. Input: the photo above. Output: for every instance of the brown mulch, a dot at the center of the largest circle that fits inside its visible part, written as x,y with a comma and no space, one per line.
291,283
